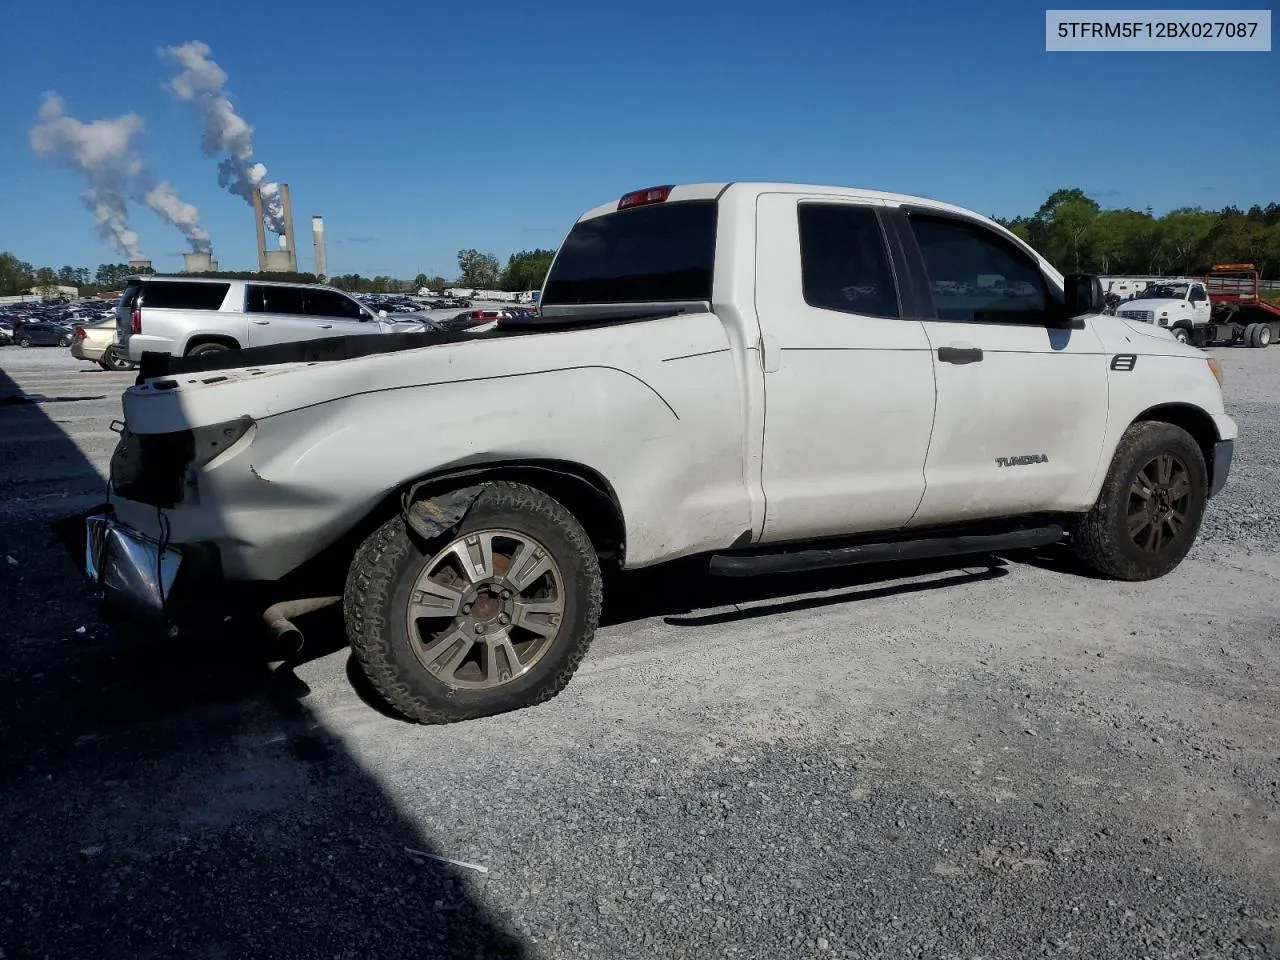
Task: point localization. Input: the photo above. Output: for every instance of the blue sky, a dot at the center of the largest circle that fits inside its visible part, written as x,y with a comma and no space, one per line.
419,129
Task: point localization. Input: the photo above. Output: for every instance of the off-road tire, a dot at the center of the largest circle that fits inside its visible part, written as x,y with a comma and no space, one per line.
207,348
386,566
1100,538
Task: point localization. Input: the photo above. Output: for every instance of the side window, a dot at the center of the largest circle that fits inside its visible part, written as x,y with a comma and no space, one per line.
327,303
282,300
1198,295
975,274
184,296
843,262
255,300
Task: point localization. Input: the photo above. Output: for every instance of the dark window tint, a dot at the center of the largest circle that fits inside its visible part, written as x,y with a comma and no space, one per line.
185,296
1198,295
129,295
326,303
274,300
975,274
843,262
656,253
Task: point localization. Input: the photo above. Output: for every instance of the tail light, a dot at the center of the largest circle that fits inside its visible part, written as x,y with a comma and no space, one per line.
136,325
638,198
80,334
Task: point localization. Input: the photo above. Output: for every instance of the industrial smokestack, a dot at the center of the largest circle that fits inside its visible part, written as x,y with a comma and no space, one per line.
198,262
140,266
317,234
287,237
262,231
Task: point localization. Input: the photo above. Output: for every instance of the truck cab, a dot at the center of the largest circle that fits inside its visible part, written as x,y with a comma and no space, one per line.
1179,305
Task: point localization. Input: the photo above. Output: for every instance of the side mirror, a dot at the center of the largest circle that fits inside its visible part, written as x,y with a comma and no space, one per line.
1083,294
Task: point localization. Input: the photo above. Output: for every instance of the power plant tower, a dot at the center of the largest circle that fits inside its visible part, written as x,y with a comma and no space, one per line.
284,260
140,266
199,263
317,234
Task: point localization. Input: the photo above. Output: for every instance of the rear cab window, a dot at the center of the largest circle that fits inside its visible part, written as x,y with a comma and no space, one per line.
184,296
658,253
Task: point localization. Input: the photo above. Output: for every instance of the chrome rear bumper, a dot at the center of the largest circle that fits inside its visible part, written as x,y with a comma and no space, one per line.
129,569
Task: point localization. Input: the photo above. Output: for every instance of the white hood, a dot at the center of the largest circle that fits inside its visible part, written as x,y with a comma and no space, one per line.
1157,307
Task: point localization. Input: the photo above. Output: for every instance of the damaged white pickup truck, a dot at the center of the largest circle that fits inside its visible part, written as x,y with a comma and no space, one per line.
777,377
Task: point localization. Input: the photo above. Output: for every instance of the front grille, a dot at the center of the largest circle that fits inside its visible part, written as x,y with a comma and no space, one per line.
1146,316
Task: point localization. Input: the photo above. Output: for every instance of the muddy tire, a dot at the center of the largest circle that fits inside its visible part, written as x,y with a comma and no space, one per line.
493,615
1150,508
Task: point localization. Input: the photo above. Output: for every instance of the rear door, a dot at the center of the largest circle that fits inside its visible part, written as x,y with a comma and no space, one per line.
277,315
849,392
1021,400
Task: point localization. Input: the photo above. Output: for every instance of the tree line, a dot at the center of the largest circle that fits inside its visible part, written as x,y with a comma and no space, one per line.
1070,229
1076,235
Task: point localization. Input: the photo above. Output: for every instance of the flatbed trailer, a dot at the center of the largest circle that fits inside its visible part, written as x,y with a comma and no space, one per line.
1239,313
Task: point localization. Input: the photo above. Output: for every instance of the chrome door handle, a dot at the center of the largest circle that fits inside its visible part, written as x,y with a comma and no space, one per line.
262,323
326,326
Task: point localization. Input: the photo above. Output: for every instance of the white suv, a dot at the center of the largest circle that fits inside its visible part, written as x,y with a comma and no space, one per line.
185,316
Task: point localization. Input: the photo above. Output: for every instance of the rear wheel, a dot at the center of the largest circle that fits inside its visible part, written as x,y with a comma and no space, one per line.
1247,337
1262,335
24,341
204,348
493,616
64,342
111,360
1150,508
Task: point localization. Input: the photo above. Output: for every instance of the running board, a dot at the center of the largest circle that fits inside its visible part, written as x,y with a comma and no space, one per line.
753,565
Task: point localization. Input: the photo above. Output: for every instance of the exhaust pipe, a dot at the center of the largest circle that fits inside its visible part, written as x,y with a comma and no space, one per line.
279,618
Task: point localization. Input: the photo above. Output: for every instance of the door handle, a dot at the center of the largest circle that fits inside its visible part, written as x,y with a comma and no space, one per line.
326,326
262,323
960,354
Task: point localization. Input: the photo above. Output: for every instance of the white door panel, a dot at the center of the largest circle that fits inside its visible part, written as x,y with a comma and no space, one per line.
849,398
1036,393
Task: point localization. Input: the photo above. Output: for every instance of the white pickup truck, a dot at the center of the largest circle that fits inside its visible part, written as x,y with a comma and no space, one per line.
777,377
1180,304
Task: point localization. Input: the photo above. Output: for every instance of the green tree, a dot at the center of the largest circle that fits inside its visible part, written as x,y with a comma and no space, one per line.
1184,233
46,282
420,281
1067,221
526,270
479,271
15,275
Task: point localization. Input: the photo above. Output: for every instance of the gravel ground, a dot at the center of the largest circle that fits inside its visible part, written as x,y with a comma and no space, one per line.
996,760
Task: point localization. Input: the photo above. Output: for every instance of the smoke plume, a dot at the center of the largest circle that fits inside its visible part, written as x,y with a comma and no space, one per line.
102,150
226,133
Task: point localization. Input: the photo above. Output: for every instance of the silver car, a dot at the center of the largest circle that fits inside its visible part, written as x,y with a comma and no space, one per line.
184,316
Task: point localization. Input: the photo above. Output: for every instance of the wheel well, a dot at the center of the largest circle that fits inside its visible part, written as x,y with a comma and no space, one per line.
200,339
1191,419
584,493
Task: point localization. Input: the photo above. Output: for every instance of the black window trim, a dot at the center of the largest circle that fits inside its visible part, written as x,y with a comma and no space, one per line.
891,259
899,218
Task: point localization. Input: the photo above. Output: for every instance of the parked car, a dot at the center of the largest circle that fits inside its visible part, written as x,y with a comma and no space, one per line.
95,342
6,334
42,333
766,376
189,316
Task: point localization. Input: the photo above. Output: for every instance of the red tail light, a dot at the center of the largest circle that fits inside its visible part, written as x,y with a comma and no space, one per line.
639,198
80,334
136,325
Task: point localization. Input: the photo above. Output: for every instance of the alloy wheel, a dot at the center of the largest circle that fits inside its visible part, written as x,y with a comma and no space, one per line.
1159,503
485,609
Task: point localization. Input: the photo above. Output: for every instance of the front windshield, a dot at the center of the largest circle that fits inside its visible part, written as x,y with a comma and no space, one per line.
1166,291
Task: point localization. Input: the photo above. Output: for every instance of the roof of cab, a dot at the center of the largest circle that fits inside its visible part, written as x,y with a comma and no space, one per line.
715,191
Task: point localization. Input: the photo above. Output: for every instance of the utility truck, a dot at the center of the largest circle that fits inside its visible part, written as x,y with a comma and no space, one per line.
776,378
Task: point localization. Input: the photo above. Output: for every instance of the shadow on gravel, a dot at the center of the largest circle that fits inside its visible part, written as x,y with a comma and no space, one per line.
170,799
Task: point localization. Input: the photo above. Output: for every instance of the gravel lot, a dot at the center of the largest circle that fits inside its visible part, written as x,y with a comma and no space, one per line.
995,760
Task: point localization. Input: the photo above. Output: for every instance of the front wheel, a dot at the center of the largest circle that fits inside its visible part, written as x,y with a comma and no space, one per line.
493,616
1149,511
1181,335
24,341
64,342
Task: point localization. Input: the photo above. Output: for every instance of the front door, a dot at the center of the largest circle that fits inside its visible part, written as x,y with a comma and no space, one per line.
1199,300
1022,400
849,391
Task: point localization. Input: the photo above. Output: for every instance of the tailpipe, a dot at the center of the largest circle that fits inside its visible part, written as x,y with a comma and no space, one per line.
279,618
